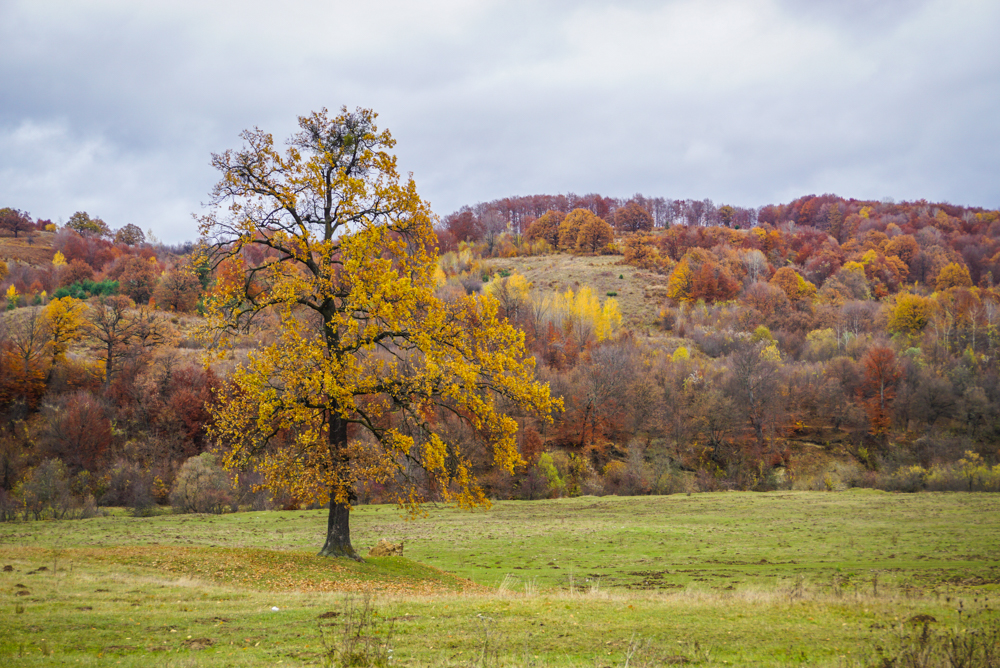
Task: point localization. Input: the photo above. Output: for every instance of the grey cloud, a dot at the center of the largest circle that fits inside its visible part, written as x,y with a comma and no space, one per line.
747,101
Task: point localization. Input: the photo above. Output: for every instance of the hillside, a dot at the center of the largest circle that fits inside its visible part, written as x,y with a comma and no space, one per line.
832,342
814,453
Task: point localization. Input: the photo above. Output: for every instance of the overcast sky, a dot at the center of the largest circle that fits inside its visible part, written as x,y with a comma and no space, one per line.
114,107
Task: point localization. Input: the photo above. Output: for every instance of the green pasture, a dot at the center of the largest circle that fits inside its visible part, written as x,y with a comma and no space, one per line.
727,579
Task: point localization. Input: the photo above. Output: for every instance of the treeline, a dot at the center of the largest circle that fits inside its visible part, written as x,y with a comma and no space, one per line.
87,264
896,244
515,214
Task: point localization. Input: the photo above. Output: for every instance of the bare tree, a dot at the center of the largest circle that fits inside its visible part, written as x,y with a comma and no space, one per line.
755,265
493,225
125,331
754,384
858,316
28,335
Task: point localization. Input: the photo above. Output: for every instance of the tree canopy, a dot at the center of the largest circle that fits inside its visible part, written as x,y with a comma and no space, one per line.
15,220
82,222
368,368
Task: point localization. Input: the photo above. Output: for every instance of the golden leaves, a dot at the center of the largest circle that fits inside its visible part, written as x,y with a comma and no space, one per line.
329,242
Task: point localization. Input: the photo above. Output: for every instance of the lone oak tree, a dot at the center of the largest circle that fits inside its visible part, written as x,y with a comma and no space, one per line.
365,361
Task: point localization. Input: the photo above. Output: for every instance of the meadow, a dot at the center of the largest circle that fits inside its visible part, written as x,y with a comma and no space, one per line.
722,579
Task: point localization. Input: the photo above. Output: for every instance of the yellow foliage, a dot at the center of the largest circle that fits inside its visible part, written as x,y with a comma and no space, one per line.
680,282
680,354
807,290
615,470
853,267
771,353
974,469
65,323
821,344
360,339
58,260
910,314
762,333
584,310
611,319
516,285
953,275
440,278
460,261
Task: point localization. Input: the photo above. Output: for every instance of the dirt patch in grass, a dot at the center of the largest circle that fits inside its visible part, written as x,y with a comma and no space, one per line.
198,643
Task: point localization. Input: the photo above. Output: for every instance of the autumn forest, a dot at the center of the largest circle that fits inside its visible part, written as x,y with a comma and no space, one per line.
820,344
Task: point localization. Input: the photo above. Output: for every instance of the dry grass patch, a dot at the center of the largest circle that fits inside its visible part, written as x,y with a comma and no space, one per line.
640,294
35,250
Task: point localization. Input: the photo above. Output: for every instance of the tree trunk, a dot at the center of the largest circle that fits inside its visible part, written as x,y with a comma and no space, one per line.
338,533
338,526
108,367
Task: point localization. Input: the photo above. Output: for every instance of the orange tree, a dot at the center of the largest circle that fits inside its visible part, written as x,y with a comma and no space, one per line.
363,363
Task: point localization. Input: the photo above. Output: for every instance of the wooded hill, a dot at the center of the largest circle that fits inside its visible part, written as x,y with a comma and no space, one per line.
816,344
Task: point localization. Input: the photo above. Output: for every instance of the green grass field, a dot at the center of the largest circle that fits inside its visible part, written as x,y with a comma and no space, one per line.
728,579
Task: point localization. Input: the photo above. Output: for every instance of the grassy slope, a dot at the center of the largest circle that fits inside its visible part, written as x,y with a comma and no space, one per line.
640,294
761,579
35,250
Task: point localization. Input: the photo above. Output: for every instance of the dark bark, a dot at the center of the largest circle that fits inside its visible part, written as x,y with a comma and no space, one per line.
109,364
338,533
338,526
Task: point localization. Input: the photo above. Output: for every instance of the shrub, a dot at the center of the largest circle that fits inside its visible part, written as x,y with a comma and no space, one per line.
130,485
48,492
86,289
532,485
671,481
471,283
969,474
202,487
905,479
362,637
44,492
547,467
